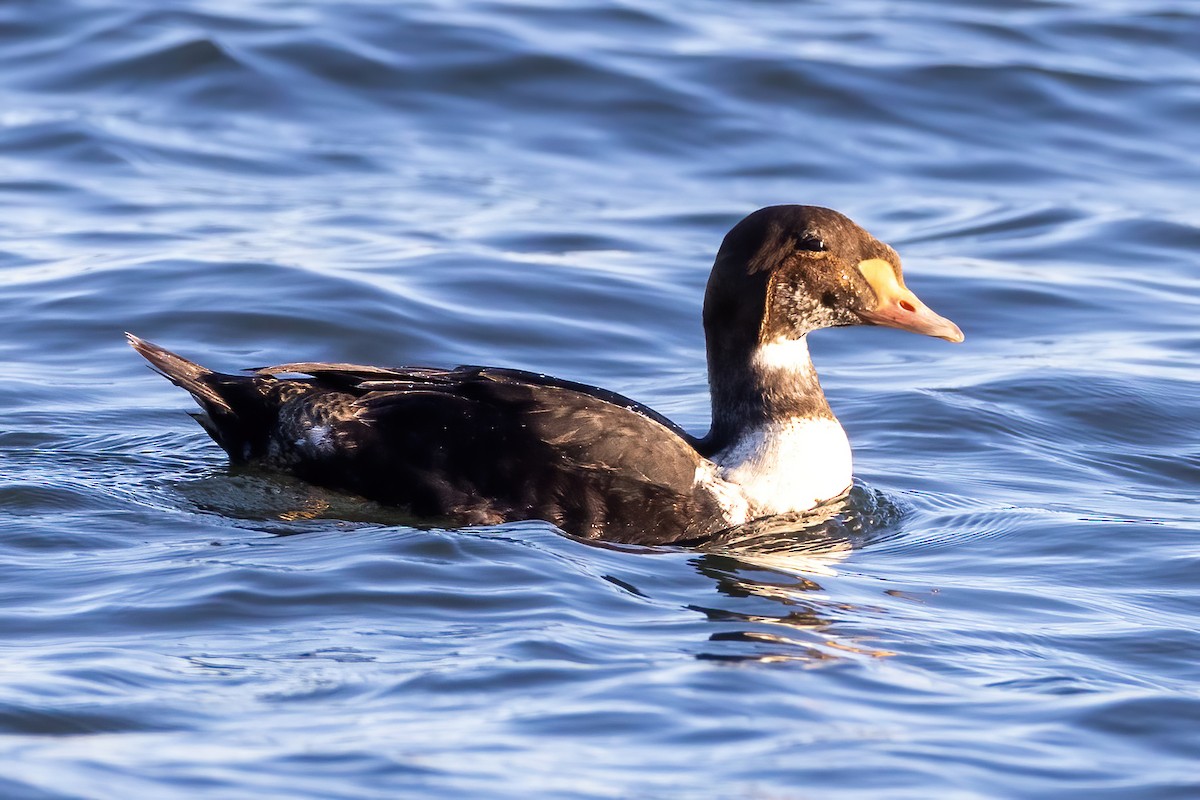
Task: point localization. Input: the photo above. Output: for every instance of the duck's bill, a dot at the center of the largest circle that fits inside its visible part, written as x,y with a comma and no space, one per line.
917,317
898,307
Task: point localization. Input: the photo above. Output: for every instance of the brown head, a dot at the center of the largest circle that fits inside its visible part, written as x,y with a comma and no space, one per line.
781,273
785,271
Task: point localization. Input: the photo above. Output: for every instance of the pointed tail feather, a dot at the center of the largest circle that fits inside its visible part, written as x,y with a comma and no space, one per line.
236,414
183,373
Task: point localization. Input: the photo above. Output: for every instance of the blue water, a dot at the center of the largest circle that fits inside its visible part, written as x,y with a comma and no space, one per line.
543,185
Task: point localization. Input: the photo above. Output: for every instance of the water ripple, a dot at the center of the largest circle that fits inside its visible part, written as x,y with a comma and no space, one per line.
1006,603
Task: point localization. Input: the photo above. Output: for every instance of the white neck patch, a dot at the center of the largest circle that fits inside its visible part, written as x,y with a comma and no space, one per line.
785,465
782,355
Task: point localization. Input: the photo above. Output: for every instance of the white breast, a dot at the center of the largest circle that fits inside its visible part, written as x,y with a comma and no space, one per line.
789,465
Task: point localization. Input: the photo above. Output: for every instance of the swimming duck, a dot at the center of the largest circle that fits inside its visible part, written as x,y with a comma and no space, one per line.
484,445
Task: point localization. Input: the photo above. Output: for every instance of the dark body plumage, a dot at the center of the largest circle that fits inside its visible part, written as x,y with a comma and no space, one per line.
468,446
480,445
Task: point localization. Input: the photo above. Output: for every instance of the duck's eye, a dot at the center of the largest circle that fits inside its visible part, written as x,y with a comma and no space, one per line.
812,243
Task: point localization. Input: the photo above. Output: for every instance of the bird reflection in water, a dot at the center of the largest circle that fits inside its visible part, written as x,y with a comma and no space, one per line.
779,560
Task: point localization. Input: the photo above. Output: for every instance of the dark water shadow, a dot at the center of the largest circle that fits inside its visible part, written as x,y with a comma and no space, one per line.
769,604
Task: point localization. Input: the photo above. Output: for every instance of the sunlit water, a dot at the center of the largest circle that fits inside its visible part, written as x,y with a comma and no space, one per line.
1010,611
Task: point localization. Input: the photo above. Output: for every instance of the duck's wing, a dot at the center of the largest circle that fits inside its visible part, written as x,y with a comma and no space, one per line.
481,444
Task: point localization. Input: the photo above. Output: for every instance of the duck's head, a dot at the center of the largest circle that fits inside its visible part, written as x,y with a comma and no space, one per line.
785,271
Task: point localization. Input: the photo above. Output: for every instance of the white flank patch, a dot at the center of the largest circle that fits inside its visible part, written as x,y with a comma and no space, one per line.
734,505
318,439
791,465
